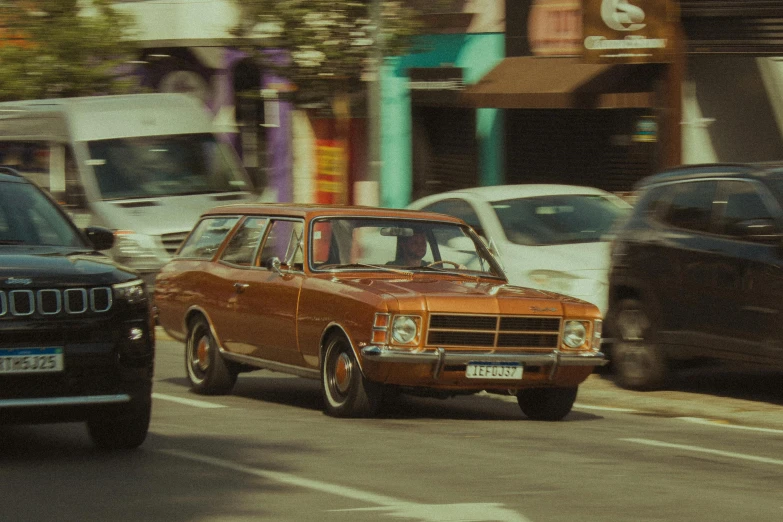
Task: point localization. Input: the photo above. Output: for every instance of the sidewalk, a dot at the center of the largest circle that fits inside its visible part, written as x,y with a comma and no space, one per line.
765,410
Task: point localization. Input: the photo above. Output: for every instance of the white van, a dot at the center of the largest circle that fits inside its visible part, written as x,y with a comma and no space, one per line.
143,165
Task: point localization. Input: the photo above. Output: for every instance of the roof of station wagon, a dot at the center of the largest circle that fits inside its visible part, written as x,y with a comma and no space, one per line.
310,211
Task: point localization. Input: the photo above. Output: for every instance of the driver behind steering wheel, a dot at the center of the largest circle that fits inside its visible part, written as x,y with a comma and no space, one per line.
411,250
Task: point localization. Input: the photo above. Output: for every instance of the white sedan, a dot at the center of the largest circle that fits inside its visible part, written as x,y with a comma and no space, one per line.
546,236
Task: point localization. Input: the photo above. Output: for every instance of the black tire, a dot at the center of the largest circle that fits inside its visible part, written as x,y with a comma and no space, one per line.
345,390
207,372
546,404
637,362
122,432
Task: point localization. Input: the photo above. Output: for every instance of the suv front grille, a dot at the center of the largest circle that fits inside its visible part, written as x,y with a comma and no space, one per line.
51,302
493,331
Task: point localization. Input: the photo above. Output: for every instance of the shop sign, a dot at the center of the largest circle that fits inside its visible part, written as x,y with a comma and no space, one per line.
331,171
628,31
646,130
554,28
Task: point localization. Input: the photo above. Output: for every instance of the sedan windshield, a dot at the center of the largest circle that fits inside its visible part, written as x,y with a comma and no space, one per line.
555,220
28,217
156,166
398,245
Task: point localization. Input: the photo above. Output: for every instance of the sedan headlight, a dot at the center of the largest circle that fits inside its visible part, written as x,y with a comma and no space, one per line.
574,334
132,292
405,329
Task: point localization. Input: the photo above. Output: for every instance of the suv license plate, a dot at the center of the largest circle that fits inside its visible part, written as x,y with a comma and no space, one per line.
482,370
31,360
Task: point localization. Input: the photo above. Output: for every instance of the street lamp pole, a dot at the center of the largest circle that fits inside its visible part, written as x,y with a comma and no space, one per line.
372,195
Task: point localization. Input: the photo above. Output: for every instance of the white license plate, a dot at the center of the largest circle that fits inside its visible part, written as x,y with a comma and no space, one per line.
31,360
505,371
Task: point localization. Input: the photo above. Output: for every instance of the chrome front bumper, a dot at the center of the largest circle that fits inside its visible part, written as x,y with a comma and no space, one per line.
440,358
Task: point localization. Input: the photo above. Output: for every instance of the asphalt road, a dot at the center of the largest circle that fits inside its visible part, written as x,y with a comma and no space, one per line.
708,450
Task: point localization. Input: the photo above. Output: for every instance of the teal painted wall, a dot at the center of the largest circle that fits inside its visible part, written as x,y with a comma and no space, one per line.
477,54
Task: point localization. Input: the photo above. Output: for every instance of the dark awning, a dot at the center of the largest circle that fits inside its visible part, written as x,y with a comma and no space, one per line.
528,82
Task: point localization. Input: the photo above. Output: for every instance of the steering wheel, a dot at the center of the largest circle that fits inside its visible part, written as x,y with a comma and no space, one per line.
446,262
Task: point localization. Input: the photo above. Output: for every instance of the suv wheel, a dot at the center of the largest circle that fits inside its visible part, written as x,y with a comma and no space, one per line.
127,431
637,362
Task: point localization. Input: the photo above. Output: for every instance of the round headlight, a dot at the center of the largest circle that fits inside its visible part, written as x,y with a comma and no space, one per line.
404,329
574,334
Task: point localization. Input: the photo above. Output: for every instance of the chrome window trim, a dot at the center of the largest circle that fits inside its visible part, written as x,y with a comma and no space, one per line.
3,304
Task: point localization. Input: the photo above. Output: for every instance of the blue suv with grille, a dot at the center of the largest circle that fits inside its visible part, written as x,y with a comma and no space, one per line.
76,330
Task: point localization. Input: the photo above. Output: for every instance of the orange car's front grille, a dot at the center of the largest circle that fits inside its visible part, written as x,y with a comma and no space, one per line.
493,331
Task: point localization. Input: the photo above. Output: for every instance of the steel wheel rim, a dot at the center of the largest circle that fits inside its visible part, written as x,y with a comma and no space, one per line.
200,355
339,374
633,324
343,371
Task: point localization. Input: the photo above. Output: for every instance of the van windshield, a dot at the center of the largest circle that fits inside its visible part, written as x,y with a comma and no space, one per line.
156,166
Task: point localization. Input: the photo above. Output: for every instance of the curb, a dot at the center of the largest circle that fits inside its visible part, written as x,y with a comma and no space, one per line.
763,411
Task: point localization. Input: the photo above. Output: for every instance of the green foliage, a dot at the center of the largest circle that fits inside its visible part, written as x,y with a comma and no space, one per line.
326,48
64,48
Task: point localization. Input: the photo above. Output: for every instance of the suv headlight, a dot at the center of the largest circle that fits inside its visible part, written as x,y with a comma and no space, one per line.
132,292
405,329
574,334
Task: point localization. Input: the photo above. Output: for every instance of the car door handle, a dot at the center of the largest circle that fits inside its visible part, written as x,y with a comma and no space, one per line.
240,287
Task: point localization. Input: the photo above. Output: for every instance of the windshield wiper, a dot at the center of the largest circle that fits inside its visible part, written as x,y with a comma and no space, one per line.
363,265
11,242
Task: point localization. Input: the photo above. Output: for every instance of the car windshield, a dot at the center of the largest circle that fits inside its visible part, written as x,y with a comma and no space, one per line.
398,244
143,167
28,217
560,219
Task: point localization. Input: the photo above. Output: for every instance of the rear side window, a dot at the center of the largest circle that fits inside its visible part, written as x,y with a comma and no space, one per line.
690,205
742,202
242,247
207,236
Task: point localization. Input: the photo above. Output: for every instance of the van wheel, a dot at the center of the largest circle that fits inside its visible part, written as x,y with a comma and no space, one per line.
345,390
638,363
207,372
547,404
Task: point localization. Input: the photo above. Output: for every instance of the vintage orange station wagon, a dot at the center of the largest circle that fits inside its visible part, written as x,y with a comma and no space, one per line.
372,302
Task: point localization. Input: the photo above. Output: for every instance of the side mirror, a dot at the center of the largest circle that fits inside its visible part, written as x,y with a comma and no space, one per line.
273,263
101,238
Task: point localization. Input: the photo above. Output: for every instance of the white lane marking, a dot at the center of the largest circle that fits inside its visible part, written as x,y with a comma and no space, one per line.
187,402
603,408
395,507
718,424
699,449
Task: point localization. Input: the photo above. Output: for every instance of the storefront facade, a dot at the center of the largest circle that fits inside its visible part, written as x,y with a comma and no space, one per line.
733,84
431,140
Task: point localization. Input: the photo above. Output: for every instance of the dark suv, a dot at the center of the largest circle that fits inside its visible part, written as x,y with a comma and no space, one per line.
76,332
697,273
